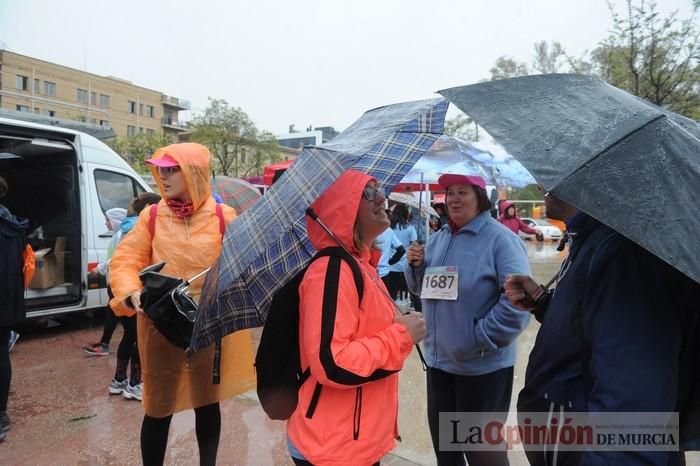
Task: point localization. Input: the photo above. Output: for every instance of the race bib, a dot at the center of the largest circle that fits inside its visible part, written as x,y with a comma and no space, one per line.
440,283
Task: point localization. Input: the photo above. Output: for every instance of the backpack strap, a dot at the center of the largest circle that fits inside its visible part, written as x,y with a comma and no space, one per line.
152,220
222,221
337,251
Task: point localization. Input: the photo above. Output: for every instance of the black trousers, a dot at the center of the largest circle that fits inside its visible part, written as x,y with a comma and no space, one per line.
5,368
462,393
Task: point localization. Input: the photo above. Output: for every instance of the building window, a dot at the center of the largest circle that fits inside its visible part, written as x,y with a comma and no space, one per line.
50,113
49,88
104,123
131,130
22,108
141,109
104,100
94,121
81,119
36,110
140,129
131,106
81,95
151,111
37,86
93,98
149,131
22,83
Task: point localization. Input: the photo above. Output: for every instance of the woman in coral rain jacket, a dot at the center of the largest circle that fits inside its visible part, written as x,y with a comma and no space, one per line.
354,350
187,237
510,219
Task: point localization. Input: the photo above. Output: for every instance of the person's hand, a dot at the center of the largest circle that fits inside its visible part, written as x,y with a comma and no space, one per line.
415,254
414,323
522,291
134,301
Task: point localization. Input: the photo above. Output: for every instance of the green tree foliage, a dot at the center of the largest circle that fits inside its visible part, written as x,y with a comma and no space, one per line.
136,149
654,57
236,144
508,67
463,127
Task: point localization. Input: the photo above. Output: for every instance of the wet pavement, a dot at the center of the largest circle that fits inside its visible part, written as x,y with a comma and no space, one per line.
62,414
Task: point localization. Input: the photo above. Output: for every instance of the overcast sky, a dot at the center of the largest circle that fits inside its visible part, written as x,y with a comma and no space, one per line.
303,62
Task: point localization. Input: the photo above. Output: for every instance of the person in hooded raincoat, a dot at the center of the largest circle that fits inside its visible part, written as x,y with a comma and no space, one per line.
187,237
510,218
353,350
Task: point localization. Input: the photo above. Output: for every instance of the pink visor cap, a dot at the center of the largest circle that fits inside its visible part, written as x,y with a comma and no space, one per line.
163,162
449,179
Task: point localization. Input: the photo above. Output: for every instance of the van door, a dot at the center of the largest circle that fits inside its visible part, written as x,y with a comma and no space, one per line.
107,187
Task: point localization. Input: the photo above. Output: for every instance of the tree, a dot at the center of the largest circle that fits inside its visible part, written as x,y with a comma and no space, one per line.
656,58
231,137
462,127
506,67
136,149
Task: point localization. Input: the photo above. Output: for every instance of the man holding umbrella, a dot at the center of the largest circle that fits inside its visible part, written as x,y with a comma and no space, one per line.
611,338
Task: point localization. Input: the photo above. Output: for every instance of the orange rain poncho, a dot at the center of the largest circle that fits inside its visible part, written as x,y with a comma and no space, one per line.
171,382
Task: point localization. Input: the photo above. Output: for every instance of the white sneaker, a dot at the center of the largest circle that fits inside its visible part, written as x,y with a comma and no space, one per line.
133,392
116,387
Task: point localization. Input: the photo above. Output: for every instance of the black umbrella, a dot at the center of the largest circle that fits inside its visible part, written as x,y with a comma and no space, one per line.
628,163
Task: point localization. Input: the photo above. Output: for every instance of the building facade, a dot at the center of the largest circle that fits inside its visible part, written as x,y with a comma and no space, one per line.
55,92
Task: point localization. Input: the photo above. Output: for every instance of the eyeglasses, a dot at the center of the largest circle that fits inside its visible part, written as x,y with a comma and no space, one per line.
370,192
167,171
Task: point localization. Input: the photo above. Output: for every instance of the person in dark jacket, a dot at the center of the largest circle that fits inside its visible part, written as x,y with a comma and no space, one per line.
610,340
12,309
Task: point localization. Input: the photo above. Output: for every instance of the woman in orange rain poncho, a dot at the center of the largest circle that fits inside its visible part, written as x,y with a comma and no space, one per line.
187,237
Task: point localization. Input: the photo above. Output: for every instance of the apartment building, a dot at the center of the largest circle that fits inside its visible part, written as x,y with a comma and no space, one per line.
59,93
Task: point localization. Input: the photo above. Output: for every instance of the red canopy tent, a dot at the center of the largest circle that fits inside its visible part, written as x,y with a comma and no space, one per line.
270,170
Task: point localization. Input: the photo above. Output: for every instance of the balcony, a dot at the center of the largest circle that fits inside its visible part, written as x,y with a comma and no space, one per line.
179,104
170,123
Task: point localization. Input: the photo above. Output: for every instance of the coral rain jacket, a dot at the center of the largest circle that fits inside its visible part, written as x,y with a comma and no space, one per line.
354,351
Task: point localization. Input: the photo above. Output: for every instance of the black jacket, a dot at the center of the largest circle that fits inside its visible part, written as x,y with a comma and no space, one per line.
12,242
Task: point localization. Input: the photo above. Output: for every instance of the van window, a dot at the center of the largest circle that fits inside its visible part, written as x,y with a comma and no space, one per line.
115,189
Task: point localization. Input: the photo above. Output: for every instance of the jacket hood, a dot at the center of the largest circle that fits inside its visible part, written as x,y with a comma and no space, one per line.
194,163
115,217
337,208
503,206
17,223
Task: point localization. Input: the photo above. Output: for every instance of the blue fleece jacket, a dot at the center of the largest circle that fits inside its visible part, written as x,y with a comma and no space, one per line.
475,334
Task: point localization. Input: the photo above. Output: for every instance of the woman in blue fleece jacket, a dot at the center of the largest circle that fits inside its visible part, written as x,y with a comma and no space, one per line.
471,327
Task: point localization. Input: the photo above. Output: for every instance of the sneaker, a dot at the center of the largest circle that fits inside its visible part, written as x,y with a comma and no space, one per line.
4,422
133,392
117,387
96,349
14,336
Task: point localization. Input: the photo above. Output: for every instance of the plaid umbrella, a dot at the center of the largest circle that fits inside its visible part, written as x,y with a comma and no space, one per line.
235,192
268,245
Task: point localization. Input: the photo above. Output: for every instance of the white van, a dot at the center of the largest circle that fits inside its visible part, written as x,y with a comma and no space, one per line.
63,181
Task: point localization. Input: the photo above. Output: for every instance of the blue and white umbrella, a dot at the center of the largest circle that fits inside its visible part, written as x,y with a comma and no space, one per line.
268,244
456,156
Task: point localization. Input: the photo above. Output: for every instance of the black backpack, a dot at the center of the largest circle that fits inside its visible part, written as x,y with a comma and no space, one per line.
277,362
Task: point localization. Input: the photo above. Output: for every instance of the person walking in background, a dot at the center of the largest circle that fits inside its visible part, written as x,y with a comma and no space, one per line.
511,220
12,307
113,221
392,251
128,351
471,327
348,406
186,234
406,233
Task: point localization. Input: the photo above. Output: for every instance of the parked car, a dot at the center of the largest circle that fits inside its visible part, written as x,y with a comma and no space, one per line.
548,230
64,181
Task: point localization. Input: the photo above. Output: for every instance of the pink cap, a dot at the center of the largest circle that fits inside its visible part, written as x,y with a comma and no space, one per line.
164,162
449,179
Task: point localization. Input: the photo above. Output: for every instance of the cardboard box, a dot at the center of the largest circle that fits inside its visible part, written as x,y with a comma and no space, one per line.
49,266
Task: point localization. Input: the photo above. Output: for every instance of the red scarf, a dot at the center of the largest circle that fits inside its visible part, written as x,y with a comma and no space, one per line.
181,209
